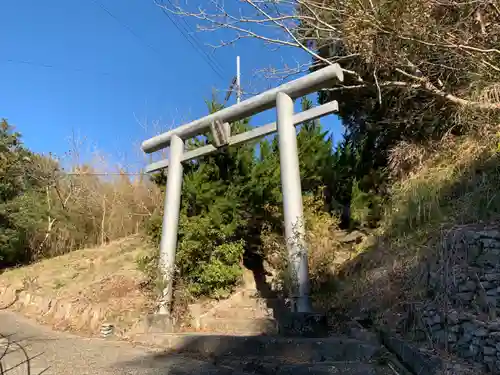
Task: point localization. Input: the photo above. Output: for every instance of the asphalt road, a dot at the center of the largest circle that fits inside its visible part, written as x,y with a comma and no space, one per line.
58,353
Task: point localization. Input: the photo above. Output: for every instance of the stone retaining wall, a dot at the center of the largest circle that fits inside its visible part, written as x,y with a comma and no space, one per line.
464,297
61,314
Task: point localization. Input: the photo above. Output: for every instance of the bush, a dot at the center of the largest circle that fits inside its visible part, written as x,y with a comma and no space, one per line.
322,246
208,258
366,207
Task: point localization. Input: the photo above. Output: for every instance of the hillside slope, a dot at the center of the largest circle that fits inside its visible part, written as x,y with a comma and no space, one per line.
437,188
104,276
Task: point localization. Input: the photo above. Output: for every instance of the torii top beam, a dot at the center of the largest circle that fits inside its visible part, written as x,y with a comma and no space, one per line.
315,81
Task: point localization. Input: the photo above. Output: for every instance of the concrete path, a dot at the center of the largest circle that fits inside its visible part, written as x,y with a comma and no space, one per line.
58,353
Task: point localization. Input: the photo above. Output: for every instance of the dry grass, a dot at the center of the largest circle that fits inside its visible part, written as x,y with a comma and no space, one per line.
105,276
448,183
326,254
456,184
82,205
88,209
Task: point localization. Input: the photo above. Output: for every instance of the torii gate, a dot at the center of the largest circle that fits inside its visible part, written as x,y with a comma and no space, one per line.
219,124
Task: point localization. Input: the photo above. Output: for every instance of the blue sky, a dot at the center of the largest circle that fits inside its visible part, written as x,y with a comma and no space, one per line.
103,69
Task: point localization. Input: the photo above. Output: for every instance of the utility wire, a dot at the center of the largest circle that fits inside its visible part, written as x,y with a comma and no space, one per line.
132,32
190,33
83,174
200,51
212,63
128,28
44,65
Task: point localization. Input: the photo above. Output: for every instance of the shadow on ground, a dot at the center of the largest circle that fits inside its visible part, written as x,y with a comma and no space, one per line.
255,263
15,356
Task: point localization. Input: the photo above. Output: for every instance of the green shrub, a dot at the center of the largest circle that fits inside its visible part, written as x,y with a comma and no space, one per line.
366,207
208,258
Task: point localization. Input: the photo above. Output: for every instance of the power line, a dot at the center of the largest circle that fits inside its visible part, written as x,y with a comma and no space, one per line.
51,66
200,51
128,28
189,32
206,57
83,174
148,45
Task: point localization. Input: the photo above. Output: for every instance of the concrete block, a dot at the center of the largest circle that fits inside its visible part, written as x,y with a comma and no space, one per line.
158,323
416,361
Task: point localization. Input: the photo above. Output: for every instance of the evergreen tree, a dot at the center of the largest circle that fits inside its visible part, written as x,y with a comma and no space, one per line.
315,156
214,214
22,203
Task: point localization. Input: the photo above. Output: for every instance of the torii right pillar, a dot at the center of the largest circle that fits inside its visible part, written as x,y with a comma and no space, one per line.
301,321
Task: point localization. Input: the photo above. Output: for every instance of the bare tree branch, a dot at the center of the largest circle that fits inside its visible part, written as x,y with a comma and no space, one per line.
369,36
424,85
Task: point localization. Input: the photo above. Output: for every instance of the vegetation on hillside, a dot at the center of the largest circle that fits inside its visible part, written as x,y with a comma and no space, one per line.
414,71
46,211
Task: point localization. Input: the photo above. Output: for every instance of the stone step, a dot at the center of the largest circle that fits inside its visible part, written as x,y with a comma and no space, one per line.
242,300
288,350
238,326
239,312
253,294
249,304
159,363
273,366
247,295
338,369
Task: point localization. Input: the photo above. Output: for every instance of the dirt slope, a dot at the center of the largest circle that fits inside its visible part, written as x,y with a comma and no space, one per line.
105,276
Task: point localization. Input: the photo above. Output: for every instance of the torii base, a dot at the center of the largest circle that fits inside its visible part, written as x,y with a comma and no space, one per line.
303,324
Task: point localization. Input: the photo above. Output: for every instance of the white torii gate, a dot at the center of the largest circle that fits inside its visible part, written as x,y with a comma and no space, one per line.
219,124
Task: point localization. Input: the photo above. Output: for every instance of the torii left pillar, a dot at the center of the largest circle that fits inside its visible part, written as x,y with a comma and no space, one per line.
170,224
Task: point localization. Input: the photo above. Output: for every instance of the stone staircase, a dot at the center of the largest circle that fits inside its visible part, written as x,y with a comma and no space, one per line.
240,336
246,312
272,354
269,355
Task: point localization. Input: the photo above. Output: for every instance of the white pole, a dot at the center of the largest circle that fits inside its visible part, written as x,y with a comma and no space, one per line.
238,80
170,224
292,203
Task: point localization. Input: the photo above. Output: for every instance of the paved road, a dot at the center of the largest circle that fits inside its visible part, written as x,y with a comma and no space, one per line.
58,353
